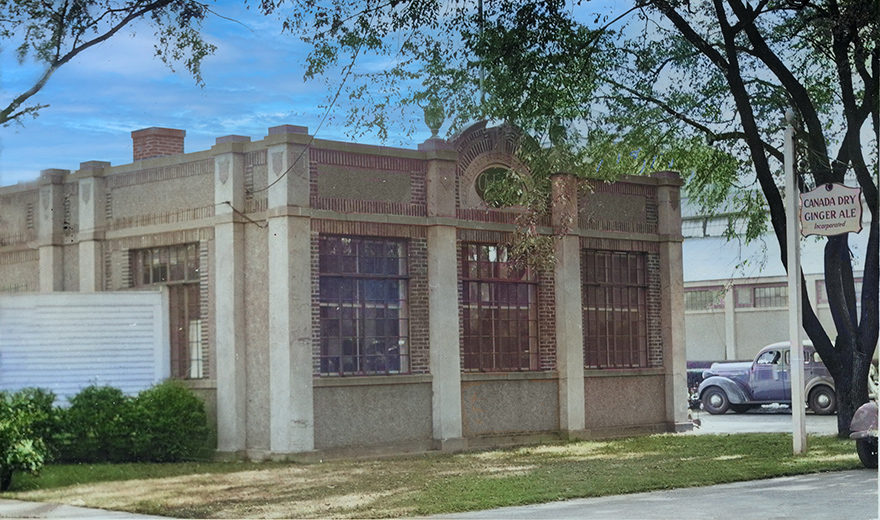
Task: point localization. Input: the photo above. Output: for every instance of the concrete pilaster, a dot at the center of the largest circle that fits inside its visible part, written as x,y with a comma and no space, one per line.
443,329
440,177
291,402
92,217
569,311
672,296
443,332
730,326
229,306
50,228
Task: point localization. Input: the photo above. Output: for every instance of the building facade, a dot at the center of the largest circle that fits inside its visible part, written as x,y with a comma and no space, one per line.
329,297
736,293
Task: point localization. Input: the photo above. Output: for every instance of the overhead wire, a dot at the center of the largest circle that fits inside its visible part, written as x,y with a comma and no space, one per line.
326,112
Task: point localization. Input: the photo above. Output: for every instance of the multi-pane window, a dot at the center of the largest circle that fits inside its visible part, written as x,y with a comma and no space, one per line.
499,311
702,299
176,267
822,294
615,309
762,296
364,327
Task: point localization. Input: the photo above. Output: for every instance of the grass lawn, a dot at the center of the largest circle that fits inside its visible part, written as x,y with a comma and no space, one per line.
432,483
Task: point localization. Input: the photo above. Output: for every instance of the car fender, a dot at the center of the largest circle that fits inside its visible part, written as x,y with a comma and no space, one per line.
864,422
735,393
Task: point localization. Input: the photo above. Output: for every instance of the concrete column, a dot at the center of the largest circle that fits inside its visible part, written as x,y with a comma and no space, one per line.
672,298
92,222
730,324
50,228
443,327
443,333
291,401
229,304
569,307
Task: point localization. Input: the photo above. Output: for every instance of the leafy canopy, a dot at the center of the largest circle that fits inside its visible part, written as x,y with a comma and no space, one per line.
53,33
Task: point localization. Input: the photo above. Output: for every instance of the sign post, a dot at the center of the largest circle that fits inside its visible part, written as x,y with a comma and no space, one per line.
795,317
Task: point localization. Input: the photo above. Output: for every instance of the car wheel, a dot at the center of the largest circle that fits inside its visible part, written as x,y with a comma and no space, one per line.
867,450
823,401
715,401
740,408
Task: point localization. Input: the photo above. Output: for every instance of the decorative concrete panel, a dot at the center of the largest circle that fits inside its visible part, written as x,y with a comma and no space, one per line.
372,415
358,183
158,198
20,272
624,401
509,406
17,217
613,206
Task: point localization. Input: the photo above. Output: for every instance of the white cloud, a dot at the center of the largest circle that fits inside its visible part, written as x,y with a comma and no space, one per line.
252,83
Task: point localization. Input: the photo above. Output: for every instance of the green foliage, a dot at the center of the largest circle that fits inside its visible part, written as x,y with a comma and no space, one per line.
171,424
99,426
23,417
166,423
53,33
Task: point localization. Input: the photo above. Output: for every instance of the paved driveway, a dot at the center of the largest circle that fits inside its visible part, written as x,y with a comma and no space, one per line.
764,419
845,495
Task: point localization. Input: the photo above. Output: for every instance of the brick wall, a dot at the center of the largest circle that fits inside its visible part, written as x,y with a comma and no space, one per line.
157,142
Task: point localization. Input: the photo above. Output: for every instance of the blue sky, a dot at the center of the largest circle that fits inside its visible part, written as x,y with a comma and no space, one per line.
253,81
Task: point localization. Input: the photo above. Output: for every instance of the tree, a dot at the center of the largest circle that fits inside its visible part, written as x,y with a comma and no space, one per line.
53,33
708,80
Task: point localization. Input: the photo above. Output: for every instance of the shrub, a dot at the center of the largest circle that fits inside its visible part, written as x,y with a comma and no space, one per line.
171,423
98,426
46,423
21,449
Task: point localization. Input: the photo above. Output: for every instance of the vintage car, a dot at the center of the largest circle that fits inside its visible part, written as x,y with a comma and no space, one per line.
864,431
740,386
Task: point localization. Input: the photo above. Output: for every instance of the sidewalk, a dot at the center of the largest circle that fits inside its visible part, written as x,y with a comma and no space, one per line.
844,495
21,509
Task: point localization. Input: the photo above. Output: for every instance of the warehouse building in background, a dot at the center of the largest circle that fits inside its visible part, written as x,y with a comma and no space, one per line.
338,298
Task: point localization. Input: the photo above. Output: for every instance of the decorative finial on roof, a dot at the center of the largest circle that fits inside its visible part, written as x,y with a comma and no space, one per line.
434,112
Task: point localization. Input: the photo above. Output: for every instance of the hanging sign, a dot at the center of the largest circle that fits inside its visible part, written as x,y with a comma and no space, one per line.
831,209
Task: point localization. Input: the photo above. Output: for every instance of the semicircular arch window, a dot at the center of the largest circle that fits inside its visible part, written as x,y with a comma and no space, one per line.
500,187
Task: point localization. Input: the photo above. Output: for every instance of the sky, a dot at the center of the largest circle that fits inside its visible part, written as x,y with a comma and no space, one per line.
253,81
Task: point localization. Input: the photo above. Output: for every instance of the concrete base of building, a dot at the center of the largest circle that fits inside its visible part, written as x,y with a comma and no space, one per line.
451,445
681,427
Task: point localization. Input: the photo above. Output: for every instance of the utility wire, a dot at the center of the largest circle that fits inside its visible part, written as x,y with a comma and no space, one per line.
326,112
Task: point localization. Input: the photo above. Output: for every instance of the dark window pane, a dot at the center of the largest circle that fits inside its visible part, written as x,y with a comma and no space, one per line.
360,277
614,309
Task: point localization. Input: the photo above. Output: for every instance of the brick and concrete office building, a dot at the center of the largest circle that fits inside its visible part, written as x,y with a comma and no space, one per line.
346,298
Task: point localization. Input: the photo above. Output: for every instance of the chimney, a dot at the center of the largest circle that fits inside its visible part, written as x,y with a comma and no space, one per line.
157,142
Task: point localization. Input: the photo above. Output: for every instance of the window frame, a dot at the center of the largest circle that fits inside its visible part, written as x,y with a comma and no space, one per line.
602,334
345,323
495,295
178,268
717,302
753,298
822,294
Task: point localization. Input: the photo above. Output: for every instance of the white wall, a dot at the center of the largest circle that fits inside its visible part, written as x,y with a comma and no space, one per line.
65,341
